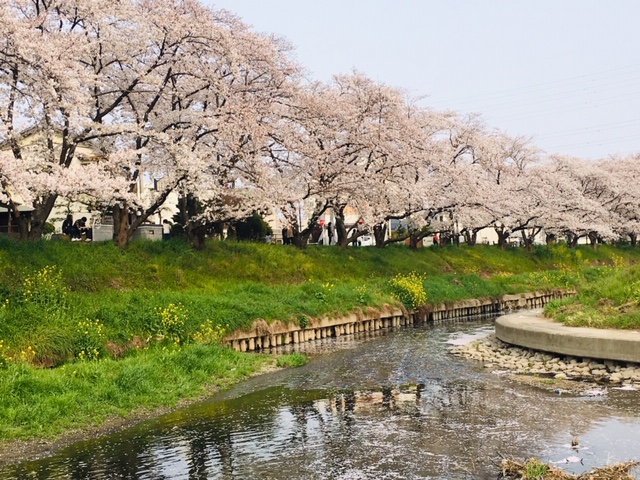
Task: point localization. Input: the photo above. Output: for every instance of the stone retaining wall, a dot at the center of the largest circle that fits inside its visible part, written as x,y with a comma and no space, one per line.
263,335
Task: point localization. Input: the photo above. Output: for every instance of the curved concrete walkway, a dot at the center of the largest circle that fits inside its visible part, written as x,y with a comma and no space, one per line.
530,329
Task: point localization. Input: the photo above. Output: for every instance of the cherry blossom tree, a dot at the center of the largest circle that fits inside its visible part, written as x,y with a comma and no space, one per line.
163,90
45,103
410,188
513,194
221,101
624,195
338,138
574,210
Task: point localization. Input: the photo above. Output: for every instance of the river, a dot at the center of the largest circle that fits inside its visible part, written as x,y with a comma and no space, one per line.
394,405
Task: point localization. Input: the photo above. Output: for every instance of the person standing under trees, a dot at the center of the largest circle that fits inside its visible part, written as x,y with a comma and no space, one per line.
436,239
285,236
330,232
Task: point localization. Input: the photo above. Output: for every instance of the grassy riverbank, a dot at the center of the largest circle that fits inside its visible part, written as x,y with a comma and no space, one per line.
610,301
37,402
88,331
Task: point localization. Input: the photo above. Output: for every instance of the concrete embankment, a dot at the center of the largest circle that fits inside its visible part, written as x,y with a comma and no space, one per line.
531,330
263,335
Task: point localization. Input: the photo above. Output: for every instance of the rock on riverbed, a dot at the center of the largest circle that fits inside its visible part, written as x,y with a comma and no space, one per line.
504,358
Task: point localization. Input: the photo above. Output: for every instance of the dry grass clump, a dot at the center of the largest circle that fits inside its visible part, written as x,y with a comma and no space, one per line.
613,472
534,469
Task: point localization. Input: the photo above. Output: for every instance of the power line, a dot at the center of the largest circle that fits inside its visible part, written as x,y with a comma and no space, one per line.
517,91
588,94
586,130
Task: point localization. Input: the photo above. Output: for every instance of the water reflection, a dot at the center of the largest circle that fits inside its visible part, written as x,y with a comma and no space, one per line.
391,406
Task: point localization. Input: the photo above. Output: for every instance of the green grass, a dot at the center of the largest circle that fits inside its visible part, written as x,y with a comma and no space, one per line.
40,402
295,359
172,265
233,284
609,298
96,310
535,469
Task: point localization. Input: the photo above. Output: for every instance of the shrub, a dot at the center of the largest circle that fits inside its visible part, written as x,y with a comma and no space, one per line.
324,291
363,296
632,292
253,228
23,356
48,228
409,289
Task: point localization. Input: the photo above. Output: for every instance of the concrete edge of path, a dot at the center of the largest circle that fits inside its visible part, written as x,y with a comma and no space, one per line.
531,329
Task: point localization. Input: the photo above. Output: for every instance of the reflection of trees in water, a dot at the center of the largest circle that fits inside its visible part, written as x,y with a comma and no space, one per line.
458,419
203,443
94,459
438,421
387,396
456,395
197,456
124,458
302,414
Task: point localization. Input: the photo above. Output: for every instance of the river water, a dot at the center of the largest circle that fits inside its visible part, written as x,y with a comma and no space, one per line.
391,406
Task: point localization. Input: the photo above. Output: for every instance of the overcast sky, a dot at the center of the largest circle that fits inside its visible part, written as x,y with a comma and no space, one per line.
566,73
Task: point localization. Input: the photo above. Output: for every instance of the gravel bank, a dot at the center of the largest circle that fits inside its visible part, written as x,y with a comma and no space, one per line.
504,358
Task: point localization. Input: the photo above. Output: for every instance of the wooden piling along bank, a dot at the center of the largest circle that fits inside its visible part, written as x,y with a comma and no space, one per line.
263,335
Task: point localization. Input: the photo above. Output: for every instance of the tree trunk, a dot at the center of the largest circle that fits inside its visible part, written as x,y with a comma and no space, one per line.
31,223
379,234
550,238
503,235
413,242
633,236
196,235
301,239
38,217
23,225
470,237
528,241
341,229
593,239
529,236
121,225
196,232
572,240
